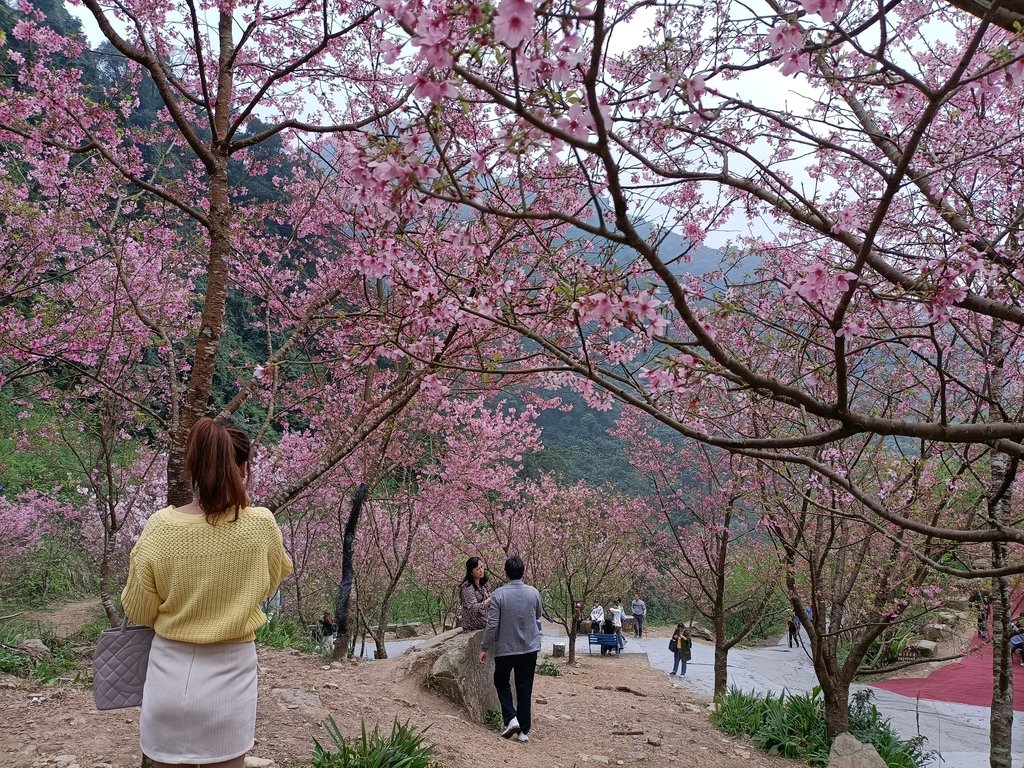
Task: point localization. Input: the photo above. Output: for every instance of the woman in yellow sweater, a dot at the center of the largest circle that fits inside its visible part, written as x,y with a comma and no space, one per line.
198,575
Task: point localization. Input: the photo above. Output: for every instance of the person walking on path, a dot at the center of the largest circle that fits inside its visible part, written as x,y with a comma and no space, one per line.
513,634
681,646
639,613
794,634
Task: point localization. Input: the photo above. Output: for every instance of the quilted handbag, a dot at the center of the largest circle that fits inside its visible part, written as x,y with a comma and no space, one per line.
119,666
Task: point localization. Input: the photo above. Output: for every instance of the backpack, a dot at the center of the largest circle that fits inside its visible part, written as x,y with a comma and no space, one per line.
672,645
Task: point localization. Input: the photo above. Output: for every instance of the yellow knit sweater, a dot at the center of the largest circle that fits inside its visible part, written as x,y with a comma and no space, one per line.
201,583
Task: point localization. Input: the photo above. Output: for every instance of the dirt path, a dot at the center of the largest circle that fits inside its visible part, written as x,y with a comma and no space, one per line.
67,619
581,719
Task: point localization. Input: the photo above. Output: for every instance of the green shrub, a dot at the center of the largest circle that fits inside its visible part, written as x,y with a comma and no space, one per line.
493,719
548,669
870,727
284,633
794,726
739,713
406,747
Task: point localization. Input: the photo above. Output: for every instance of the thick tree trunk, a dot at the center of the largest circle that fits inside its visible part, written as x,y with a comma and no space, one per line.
836,695
341,606
1001,715
572,645
721,665
211,327
1001,718
721,649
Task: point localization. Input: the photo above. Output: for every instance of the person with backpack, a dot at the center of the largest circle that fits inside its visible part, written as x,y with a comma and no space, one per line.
681,646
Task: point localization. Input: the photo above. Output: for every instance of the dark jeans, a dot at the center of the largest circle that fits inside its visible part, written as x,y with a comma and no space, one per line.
677,660
638,625
524,665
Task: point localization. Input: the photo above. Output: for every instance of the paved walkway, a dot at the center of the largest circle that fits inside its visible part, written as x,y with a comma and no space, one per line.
958,732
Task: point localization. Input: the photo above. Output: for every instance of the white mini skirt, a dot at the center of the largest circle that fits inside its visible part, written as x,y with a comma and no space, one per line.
199,703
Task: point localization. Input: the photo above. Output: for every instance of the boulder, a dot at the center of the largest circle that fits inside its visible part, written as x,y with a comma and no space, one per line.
697,631
558,650
403,631
847,752
448,664
35,648
938,631
925,648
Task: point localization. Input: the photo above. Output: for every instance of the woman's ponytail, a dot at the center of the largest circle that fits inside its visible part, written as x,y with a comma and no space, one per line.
216,452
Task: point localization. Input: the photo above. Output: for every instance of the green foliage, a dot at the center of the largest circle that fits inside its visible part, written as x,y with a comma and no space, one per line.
577,446
794,726
285,633
493,720
739,713
70,657
548,669
406,747
869,726
770,618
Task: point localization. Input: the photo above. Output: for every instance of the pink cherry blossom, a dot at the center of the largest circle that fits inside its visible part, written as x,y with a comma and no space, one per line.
514,22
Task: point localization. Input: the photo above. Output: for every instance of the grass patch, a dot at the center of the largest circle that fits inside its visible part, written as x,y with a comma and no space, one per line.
405,747
548,669
70,658
285,633
794,726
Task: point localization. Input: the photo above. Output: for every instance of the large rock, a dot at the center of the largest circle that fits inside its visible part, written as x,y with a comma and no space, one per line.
697,631
408,630
925,648
847,752
938,632
448,664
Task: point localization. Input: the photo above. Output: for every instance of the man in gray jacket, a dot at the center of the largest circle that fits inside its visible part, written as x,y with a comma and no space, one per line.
512,631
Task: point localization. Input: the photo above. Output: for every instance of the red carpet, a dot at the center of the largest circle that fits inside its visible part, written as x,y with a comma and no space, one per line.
968,681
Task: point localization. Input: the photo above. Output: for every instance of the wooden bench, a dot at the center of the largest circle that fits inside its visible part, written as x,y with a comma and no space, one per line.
604,641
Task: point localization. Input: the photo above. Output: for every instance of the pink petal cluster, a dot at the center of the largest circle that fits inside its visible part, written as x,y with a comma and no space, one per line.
513,22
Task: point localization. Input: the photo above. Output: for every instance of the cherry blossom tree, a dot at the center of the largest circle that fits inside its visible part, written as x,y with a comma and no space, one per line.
580,543
852,580
879,147
707,538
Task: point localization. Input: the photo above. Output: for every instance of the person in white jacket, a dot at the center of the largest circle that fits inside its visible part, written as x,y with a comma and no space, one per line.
596,617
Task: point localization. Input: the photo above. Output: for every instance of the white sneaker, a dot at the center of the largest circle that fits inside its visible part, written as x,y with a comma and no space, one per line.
511,729
522,737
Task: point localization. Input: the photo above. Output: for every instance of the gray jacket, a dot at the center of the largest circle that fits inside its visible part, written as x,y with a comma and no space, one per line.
512,620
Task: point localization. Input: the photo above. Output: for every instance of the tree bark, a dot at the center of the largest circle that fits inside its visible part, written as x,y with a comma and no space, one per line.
341,606
721,647
113,615
211,325
1001,715
836,695
721,666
